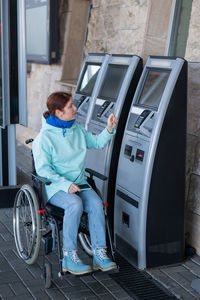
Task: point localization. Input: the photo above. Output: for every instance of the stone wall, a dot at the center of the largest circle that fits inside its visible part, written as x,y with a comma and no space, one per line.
157,25
117,26
193,48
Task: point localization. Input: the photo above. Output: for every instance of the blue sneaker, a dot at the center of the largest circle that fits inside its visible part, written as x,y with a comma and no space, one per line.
101,261
71,263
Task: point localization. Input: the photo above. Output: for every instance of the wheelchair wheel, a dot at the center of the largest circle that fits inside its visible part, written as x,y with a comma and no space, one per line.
47,275
85,243
27,224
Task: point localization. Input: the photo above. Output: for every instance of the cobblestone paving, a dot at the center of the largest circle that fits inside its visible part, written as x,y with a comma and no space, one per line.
21,281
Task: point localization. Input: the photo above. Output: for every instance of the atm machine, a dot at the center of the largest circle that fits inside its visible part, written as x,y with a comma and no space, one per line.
115,94
88,85
150,184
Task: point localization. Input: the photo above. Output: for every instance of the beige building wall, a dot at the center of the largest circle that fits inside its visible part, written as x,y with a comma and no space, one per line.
127,27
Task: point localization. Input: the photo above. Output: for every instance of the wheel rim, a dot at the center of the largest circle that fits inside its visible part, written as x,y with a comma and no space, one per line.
24,224
27,224
86,243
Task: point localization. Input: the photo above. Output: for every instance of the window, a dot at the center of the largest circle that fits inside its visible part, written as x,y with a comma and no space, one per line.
42,31
179,27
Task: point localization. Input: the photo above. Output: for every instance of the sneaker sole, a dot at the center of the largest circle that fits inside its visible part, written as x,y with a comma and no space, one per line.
76,273
105,269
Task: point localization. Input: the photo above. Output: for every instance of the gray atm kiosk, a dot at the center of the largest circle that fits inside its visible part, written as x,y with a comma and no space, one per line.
88,85
150,185
115,94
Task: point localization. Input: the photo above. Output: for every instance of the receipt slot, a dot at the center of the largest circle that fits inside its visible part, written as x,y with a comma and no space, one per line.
115,95
150,184
88,85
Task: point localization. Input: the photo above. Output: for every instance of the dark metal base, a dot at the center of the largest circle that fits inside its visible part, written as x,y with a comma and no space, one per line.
7,195
138,284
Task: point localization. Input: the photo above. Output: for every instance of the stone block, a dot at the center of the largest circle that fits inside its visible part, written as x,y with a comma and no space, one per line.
193,124
192,48
8,276
131,18
193,202
97,287
153,46
20,289
191,145
96,3
5,291
79,295
192,226
55,293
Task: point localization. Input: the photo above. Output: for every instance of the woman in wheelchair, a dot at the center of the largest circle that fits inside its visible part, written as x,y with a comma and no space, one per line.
59,153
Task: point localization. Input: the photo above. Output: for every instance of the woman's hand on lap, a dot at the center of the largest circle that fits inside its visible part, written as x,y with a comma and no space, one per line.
73,189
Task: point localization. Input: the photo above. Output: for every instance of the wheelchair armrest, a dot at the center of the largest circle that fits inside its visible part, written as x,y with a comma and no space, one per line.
29,141
41,179
97,174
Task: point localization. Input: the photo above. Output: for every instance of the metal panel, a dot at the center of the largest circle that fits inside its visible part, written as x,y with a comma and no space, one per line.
1,178
12,169
22,71
5,65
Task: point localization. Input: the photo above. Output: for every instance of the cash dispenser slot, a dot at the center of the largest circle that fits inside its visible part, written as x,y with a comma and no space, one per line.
127,198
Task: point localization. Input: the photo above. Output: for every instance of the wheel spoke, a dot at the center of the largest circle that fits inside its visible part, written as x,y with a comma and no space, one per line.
26,224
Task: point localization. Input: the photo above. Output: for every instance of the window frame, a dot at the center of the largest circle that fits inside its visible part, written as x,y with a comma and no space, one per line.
52,35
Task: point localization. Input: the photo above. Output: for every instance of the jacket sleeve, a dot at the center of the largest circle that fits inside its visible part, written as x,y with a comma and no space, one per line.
42,159
98,141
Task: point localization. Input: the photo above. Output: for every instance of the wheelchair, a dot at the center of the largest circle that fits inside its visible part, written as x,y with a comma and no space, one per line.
36,220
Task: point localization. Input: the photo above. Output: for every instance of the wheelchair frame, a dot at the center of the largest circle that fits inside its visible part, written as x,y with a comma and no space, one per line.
32,215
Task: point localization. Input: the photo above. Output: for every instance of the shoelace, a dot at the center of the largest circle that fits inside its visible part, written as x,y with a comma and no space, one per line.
101,253
74,256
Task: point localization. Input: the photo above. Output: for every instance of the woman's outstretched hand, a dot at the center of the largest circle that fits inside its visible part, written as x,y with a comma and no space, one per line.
111,123
73,189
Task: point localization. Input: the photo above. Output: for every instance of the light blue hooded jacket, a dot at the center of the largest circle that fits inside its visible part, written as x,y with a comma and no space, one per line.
59,155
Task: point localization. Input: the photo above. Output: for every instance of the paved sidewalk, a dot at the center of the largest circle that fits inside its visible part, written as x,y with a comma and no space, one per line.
21,281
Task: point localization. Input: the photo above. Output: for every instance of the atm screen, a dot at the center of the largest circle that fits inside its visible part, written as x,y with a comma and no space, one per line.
112,82
153,88
88,80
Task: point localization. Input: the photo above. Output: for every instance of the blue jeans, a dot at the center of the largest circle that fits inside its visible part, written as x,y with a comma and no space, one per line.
74,205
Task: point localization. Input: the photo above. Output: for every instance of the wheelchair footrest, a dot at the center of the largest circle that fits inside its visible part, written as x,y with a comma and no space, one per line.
48,244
